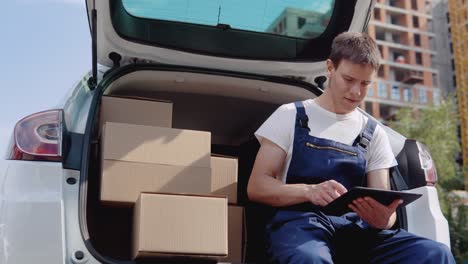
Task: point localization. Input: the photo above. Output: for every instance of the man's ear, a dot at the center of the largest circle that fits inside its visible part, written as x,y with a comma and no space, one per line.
330,68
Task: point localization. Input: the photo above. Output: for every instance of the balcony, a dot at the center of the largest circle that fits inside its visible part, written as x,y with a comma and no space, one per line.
403,66
392,9
395,28
401,46
410,77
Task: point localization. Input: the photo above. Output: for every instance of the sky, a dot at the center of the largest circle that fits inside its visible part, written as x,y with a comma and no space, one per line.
45,47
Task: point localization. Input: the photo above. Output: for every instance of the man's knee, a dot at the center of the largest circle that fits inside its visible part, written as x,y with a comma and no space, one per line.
435,252
315,255
442,252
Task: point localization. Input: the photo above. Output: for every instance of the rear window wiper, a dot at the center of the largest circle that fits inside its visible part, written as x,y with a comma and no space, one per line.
223,26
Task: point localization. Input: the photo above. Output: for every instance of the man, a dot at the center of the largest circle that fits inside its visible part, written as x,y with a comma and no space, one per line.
314,151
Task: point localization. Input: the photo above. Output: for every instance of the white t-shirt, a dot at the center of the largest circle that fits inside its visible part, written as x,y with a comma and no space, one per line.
279,128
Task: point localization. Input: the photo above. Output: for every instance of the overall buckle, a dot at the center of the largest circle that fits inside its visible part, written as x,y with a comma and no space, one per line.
364,142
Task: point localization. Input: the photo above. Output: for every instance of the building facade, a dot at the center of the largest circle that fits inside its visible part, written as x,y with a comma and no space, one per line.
444,59
407,78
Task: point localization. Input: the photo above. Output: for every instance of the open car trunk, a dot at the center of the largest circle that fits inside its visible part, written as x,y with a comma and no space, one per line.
229,106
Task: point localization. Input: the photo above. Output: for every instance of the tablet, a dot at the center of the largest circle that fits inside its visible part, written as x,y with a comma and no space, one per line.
340,205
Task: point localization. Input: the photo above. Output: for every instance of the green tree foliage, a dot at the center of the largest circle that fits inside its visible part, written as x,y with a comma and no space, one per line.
437,128
457,218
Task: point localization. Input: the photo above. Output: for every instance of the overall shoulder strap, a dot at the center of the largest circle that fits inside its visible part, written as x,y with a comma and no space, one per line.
365,137
302,120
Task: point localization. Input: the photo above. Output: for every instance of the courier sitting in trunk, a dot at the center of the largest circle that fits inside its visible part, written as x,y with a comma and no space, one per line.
313,152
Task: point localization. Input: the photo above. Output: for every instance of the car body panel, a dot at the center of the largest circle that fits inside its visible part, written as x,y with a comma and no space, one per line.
426,218
109,41
31,212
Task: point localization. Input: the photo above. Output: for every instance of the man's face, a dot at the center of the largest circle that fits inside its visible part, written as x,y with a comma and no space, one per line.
348,84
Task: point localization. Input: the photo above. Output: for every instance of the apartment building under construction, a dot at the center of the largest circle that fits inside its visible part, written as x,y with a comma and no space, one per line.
407,78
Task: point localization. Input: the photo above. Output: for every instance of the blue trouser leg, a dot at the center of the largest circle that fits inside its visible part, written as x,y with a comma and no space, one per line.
300,239
364,245
404,247
314,238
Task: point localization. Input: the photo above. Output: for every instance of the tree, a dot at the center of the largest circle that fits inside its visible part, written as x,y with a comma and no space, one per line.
437,128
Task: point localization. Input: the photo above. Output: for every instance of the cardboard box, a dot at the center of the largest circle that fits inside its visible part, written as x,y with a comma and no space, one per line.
136,111
235,234
122,182
224,177
180,225
158,145
153,159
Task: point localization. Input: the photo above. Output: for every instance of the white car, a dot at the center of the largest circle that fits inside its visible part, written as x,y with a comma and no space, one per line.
234,62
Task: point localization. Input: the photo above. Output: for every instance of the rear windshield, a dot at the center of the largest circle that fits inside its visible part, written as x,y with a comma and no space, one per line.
280,30
293,18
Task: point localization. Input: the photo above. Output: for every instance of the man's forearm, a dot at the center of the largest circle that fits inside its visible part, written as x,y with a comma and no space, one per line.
268,190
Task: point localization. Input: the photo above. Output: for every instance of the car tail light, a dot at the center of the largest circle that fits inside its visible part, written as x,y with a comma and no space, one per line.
38,137
427,164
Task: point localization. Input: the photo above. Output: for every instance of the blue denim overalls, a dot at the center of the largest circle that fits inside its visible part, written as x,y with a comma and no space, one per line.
304,234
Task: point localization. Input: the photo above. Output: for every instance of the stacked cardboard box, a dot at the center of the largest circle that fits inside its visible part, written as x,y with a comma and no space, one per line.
153,159
224,182
180,225
169,176
136,111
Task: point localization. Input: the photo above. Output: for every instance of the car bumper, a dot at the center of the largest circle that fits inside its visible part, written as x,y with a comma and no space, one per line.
425,217
39,214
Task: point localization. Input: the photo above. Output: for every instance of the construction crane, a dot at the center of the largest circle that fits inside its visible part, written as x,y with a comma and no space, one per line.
458,11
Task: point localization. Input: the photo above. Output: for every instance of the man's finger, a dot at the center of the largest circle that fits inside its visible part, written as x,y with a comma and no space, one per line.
394,205
327,197
373,203
338,187
360,213
334,194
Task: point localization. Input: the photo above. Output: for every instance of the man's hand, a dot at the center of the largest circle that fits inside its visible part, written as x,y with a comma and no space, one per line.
325,192
375,213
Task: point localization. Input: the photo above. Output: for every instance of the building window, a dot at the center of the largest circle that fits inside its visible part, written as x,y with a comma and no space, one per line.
422,96
454,80
415,21
417,40
370,91
380,73
407,94
436,97
414,4
395,92
382,90
448,17
380,35
451,48
376,14
368,106
300,22
453,65
418,58
396,38
396,56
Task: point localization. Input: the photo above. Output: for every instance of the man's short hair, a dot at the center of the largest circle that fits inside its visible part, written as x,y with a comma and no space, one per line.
356,47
